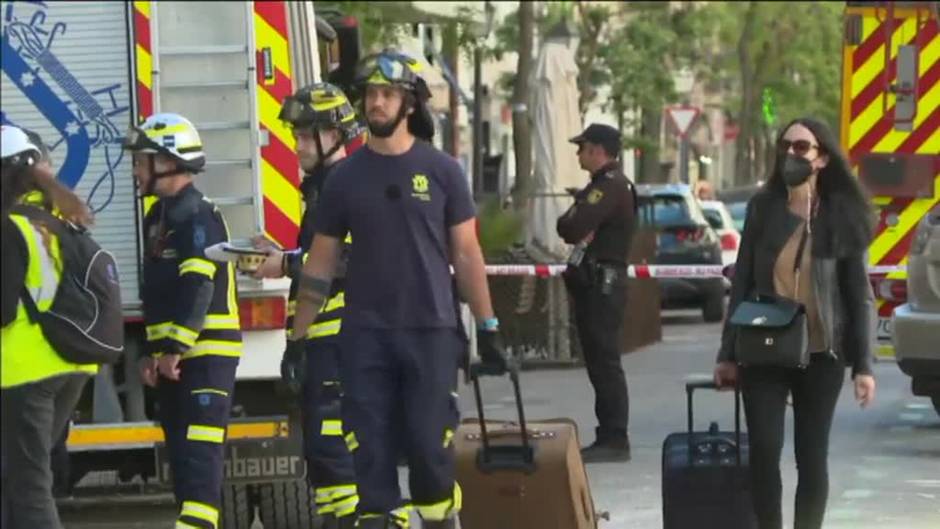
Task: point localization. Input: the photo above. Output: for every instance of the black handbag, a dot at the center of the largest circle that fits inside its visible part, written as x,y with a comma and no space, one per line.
772,330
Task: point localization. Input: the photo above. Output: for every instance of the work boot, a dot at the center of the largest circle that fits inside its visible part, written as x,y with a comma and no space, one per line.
332,522
373,522
607,451
450,523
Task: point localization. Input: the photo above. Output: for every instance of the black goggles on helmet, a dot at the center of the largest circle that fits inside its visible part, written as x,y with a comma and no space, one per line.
300,113
137,140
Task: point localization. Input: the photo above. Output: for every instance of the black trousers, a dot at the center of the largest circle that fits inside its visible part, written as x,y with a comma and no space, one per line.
599,313
815,391
34,416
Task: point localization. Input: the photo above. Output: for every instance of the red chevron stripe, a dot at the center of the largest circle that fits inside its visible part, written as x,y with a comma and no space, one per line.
900,249
281,87
142,30
281,228
275,15
871,44
283,159
144,101
923,132
887,308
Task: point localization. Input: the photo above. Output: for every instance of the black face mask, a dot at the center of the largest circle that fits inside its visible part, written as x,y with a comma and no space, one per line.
795,170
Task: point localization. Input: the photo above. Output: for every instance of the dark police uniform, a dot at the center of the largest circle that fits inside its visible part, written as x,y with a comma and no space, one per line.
400,340
330,468
597,285
190,308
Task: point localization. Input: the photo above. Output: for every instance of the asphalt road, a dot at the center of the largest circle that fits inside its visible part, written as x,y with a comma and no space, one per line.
884,463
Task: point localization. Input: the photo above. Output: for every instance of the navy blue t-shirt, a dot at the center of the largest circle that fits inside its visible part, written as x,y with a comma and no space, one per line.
398,210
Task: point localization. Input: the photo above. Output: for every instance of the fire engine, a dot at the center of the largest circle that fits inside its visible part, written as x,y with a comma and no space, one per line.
891,131
80,73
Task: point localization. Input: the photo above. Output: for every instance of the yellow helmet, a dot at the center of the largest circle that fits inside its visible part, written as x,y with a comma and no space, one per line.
321,106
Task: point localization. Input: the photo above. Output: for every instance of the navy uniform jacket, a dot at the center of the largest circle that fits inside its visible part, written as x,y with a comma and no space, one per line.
190,302
329,320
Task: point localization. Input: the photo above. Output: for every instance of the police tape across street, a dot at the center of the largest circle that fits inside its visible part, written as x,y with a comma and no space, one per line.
647,271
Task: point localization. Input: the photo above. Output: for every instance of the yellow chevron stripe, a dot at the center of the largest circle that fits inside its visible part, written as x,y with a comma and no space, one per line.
143,7
280,192
144,67
931,146
875,64
268,109
267,37
907,221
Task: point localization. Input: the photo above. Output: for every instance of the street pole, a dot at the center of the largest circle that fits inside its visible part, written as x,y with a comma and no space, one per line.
684,160
477,122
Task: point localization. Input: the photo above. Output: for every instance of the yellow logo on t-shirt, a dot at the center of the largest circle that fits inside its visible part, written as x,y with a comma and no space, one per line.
419,185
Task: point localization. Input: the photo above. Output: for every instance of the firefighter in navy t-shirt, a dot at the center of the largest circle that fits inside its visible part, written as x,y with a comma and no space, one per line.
408,208
322,120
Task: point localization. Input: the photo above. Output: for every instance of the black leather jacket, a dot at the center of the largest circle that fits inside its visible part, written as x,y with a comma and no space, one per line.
840,277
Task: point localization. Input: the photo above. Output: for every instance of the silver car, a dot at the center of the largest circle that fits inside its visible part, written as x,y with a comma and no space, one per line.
916,324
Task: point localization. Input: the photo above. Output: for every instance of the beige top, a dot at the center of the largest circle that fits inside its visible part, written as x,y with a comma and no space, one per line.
785,284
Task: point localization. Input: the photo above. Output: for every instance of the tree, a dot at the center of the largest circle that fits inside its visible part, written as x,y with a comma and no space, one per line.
521,127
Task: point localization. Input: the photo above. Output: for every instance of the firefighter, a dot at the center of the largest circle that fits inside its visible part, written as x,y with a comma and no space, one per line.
409,210
322,121
190,312
601,224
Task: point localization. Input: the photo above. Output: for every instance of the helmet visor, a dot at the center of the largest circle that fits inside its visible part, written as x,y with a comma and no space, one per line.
137,140
391,69
294,111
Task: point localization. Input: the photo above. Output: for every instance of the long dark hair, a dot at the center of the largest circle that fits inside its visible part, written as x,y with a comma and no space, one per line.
18,180
845,222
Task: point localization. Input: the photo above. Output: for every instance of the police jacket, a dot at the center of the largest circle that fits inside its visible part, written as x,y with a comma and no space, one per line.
841,286
29,262
190,302
607,207
329,320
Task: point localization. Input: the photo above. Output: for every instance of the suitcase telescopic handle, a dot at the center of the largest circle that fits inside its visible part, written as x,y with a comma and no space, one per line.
690,388
509,456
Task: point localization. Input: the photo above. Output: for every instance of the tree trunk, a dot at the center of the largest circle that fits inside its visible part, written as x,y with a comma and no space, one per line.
452,56
521,126
650,129
742,159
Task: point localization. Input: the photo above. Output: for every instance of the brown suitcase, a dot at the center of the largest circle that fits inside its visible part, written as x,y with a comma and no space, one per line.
511,481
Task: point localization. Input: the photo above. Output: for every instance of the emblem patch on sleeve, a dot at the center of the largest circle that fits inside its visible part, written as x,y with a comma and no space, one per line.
595,196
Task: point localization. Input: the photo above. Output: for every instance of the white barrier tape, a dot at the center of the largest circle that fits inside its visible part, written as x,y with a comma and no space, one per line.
645,271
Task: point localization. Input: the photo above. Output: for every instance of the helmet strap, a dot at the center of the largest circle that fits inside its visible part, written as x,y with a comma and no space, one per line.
323,157
154,175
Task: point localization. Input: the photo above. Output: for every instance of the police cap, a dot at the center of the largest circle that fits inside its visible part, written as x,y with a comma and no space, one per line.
603,135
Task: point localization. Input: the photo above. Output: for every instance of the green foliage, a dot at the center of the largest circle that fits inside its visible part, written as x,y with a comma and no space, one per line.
499,228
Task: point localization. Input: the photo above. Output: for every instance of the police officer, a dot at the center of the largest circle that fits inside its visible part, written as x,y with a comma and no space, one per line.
600,224
190,312
322,121
409,210
39,388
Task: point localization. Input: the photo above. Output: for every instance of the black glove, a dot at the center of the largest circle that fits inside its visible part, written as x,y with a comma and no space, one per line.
492,353
294,365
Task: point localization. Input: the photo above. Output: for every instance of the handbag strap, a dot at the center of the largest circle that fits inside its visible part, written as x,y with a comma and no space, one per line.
798,263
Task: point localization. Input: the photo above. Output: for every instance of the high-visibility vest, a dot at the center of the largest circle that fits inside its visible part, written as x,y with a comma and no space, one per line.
27,356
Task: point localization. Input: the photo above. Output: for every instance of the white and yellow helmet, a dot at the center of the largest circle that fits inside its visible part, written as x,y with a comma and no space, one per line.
18,149
171,135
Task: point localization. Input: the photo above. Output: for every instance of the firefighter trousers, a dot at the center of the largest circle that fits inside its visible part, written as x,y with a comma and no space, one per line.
194,413
400,399
329,464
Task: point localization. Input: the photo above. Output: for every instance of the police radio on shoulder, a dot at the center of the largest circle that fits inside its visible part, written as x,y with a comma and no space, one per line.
489,324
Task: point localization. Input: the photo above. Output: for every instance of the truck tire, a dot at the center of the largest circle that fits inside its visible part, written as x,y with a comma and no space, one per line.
238,507
287,505
713,310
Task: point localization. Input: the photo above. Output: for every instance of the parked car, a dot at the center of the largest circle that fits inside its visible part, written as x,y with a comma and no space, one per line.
916,324
684,237
736,199
738,212
718,216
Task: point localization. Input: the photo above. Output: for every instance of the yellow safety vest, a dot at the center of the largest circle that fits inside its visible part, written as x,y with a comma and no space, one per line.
27,356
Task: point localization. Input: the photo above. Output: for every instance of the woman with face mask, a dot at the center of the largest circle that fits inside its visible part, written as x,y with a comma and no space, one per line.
805,238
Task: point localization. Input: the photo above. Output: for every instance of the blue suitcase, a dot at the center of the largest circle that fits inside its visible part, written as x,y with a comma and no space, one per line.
705,474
